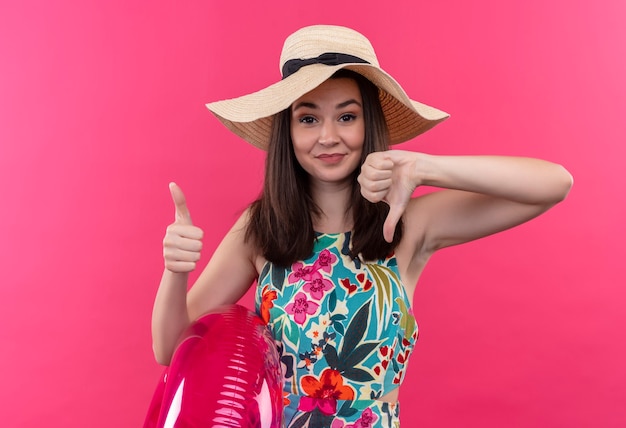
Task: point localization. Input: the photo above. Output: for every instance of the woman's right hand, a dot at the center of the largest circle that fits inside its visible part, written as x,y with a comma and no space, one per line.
183,241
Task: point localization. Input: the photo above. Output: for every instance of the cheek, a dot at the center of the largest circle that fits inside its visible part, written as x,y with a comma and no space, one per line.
300,152
301,139
299,156
357,133
299,149
357,140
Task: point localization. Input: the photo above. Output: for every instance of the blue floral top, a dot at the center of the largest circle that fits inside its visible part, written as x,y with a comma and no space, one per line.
344,330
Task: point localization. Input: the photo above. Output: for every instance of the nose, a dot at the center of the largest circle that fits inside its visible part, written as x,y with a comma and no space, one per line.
328,134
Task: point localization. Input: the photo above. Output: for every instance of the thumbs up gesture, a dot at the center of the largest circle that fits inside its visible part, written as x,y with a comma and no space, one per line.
183,240
391,177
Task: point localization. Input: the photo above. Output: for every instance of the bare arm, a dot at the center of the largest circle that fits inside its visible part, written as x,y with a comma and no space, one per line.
226,278
488,194
484,194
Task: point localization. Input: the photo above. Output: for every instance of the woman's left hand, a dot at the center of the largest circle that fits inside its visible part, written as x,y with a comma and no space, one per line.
391,177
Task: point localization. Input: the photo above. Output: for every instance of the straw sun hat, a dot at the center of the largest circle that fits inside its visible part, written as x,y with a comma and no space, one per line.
309,57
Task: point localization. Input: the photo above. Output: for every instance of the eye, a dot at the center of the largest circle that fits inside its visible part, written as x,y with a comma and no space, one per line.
307,120
348,117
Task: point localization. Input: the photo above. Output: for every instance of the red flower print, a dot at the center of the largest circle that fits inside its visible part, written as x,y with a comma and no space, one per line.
317,286
325,261
366,283
267,303
384,350
398,378
345,282
324,392
300,271
301,307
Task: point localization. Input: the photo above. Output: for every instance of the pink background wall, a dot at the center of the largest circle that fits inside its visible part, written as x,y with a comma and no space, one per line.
101,105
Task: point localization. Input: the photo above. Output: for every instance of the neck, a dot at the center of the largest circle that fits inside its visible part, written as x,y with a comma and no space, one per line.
334,203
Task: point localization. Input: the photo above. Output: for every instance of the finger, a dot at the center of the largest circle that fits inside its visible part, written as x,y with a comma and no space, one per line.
185,244
173,255
378,159
389,227
374,196
177,230
182,212
395,156
372,174
377,186
374,190
381,168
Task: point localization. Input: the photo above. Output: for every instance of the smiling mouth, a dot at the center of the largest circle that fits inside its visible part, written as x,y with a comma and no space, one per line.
331,158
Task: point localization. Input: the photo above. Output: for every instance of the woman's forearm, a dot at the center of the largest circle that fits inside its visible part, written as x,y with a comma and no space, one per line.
524,180
169,315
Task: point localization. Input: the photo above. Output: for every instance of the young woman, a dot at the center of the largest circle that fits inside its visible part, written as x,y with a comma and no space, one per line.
336,242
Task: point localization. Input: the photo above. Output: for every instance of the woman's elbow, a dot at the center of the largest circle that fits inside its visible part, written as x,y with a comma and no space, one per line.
562,184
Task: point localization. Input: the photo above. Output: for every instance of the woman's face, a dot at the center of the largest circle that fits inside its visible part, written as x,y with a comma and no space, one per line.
328,130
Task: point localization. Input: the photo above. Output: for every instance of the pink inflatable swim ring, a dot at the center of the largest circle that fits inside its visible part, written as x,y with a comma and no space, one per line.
225,373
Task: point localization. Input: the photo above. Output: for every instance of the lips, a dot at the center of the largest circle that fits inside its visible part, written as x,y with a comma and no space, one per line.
331,157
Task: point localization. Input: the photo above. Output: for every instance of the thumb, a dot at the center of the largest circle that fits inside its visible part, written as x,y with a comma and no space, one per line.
389,228
182,212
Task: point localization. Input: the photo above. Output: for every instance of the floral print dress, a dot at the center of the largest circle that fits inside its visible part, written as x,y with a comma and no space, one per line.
344,330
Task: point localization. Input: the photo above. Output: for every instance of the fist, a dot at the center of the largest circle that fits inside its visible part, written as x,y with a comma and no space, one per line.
389,177
183,241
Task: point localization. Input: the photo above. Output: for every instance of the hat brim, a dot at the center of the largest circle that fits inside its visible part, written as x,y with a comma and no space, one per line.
250,116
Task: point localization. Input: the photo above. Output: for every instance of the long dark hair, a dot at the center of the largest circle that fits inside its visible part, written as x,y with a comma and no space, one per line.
281,220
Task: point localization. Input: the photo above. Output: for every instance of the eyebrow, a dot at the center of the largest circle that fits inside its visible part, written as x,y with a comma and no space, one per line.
314,106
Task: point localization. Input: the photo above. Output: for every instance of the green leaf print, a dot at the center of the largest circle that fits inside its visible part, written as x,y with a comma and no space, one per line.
353,350
346,411
359,354
383,279
276,275
356,330
264,272
326,241
331,356
338,317
301,421
277,331
332,301
292,332
357,375
320,420
339,328
407,322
